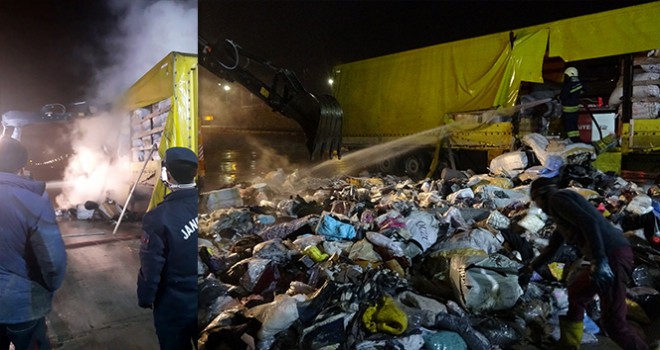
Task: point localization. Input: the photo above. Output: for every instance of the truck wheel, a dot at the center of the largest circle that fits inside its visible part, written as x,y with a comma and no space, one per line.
388,166
416,166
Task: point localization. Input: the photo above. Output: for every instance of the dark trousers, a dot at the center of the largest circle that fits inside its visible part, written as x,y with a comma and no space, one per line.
180,334
612,303
29,335
570,120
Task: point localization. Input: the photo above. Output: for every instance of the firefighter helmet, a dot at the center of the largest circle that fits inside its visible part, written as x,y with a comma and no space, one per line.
571,72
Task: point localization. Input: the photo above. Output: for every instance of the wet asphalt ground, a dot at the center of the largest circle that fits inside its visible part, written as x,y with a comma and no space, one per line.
96,307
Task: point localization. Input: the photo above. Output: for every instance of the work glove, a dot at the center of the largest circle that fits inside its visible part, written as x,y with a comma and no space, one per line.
602,275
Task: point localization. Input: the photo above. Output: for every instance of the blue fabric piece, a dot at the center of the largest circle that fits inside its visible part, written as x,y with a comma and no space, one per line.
334,229
552,166
590,326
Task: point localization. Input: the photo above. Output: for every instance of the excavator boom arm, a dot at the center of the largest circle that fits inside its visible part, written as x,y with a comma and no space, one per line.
319,116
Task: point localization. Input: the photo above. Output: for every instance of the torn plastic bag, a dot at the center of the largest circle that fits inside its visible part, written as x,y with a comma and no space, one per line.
391,220
383,241
454,218
423,228
273,250
305,241
485,283
217,263
334,229
646,276
284,229
502,197
275,316
230,330
476,239
538,143
460,194
235,220
420,307
461,325
498,332
497,220
477,181
362,250
532,223
330,331
337,247
444,340
253,274
411,342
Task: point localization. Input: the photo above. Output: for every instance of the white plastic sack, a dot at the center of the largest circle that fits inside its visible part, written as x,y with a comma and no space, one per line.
477,239
532,223
538,143
485,283
497,220
502,197
277,315
645,110
462,193
423,228
509,164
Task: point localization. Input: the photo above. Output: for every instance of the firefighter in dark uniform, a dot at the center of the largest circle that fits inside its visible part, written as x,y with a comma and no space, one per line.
570,103
167,281
579,223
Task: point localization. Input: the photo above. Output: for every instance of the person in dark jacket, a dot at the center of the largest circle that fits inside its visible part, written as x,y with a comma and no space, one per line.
167,281
605,247
33,258
570,103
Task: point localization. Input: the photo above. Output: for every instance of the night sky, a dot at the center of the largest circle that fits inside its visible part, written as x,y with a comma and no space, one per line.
48,50
311,37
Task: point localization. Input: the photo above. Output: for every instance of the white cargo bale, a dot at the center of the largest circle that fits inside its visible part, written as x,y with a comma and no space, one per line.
645,110
220,199
509,164
639,91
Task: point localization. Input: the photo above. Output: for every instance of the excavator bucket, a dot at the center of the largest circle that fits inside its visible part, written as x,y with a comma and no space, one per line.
321,119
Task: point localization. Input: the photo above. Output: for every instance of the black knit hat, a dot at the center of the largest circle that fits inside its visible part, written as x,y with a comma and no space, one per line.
13,155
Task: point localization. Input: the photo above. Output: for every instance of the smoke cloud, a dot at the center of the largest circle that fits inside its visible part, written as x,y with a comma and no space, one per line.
146,32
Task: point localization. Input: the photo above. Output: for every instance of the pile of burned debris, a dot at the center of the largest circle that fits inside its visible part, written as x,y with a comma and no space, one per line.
382,262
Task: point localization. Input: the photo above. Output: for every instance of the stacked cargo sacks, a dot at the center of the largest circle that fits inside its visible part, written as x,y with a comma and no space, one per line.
383,262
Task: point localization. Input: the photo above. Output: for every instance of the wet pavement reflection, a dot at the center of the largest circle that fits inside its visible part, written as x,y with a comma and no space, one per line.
232,158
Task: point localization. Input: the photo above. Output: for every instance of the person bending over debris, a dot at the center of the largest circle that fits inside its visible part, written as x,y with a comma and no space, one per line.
167,281
33,258
611,257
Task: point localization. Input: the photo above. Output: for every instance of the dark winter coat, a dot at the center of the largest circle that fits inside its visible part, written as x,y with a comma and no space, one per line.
168,258
33,257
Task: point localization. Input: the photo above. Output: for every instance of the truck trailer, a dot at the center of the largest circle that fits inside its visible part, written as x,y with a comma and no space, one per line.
397,95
